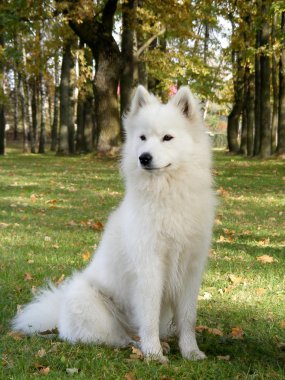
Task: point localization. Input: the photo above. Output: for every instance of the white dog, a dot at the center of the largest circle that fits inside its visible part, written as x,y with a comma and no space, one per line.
145,276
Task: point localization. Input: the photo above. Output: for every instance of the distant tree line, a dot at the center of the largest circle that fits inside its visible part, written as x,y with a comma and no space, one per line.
256,123
68,68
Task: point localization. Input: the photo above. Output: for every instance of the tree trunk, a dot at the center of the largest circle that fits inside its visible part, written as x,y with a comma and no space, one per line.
35,110
54,127
265,106
127,74
250,114
257,98
281,115
42,138
96,32
16,105
2,104
275,92
65,101
24,114
234,116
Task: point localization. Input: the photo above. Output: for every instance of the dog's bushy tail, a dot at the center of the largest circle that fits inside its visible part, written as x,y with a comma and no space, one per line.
41,314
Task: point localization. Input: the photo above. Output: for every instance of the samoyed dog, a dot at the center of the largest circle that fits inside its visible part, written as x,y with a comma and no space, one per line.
145,276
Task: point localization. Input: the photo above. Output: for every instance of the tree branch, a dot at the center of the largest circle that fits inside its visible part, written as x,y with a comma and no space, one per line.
148,42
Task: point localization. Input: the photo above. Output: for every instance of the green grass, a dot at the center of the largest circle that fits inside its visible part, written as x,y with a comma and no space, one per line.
49,207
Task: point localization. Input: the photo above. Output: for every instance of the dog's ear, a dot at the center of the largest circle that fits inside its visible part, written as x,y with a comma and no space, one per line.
186,102
140,99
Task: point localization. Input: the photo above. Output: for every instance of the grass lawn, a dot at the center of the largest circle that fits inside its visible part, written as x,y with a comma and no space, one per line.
51,215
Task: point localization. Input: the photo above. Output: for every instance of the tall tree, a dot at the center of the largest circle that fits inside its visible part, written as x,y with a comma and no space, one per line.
2,93
65,130
281,115
265,106
95,28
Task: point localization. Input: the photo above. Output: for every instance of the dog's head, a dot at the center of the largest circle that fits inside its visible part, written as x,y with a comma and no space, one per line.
160,137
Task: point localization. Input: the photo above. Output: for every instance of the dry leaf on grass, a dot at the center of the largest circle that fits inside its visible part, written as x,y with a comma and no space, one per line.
41,353
72,371
86,256
237,333
265,259
213,331
43,370
282,324
28,276
136,354
129,376
16,335
226,357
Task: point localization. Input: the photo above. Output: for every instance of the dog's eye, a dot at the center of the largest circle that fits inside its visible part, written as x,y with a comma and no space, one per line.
167,138
142,137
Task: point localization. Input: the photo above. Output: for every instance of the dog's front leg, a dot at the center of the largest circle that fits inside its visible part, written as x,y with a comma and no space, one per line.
185,315
147,306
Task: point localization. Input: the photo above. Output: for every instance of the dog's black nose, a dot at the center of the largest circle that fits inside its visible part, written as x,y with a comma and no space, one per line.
145,159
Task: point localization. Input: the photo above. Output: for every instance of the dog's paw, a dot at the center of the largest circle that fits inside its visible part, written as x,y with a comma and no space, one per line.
156,357
194,355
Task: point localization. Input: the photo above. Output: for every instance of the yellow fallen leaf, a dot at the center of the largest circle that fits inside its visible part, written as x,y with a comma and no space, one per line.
16,335
86,256
226,357
41,353
237,333
265,259
136,353
260,291
282,324
28,276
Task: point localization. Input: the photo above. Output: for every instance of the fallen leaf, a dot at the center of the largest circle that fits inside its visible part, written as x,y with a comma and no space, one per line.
237,333
226,357
222,192
47,238
60,279
28,276
97,226
33,198
265,259
51,201
129,376
4,225
136,353
72,371
263,242
41,353
16,335
235,280
86,256
215,331
260,291
282,324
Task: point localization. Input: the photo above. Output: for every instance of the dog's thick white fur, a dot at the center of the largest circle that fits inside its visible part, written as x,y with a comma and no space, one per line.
145,276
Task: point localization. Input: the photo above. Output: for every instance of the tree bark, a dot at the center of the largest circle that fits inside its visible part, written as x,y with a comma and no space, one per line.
257,100
281,115
96,32
42,137
250,114
65,100
234,116
127,74
2,101
275,92
265,106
